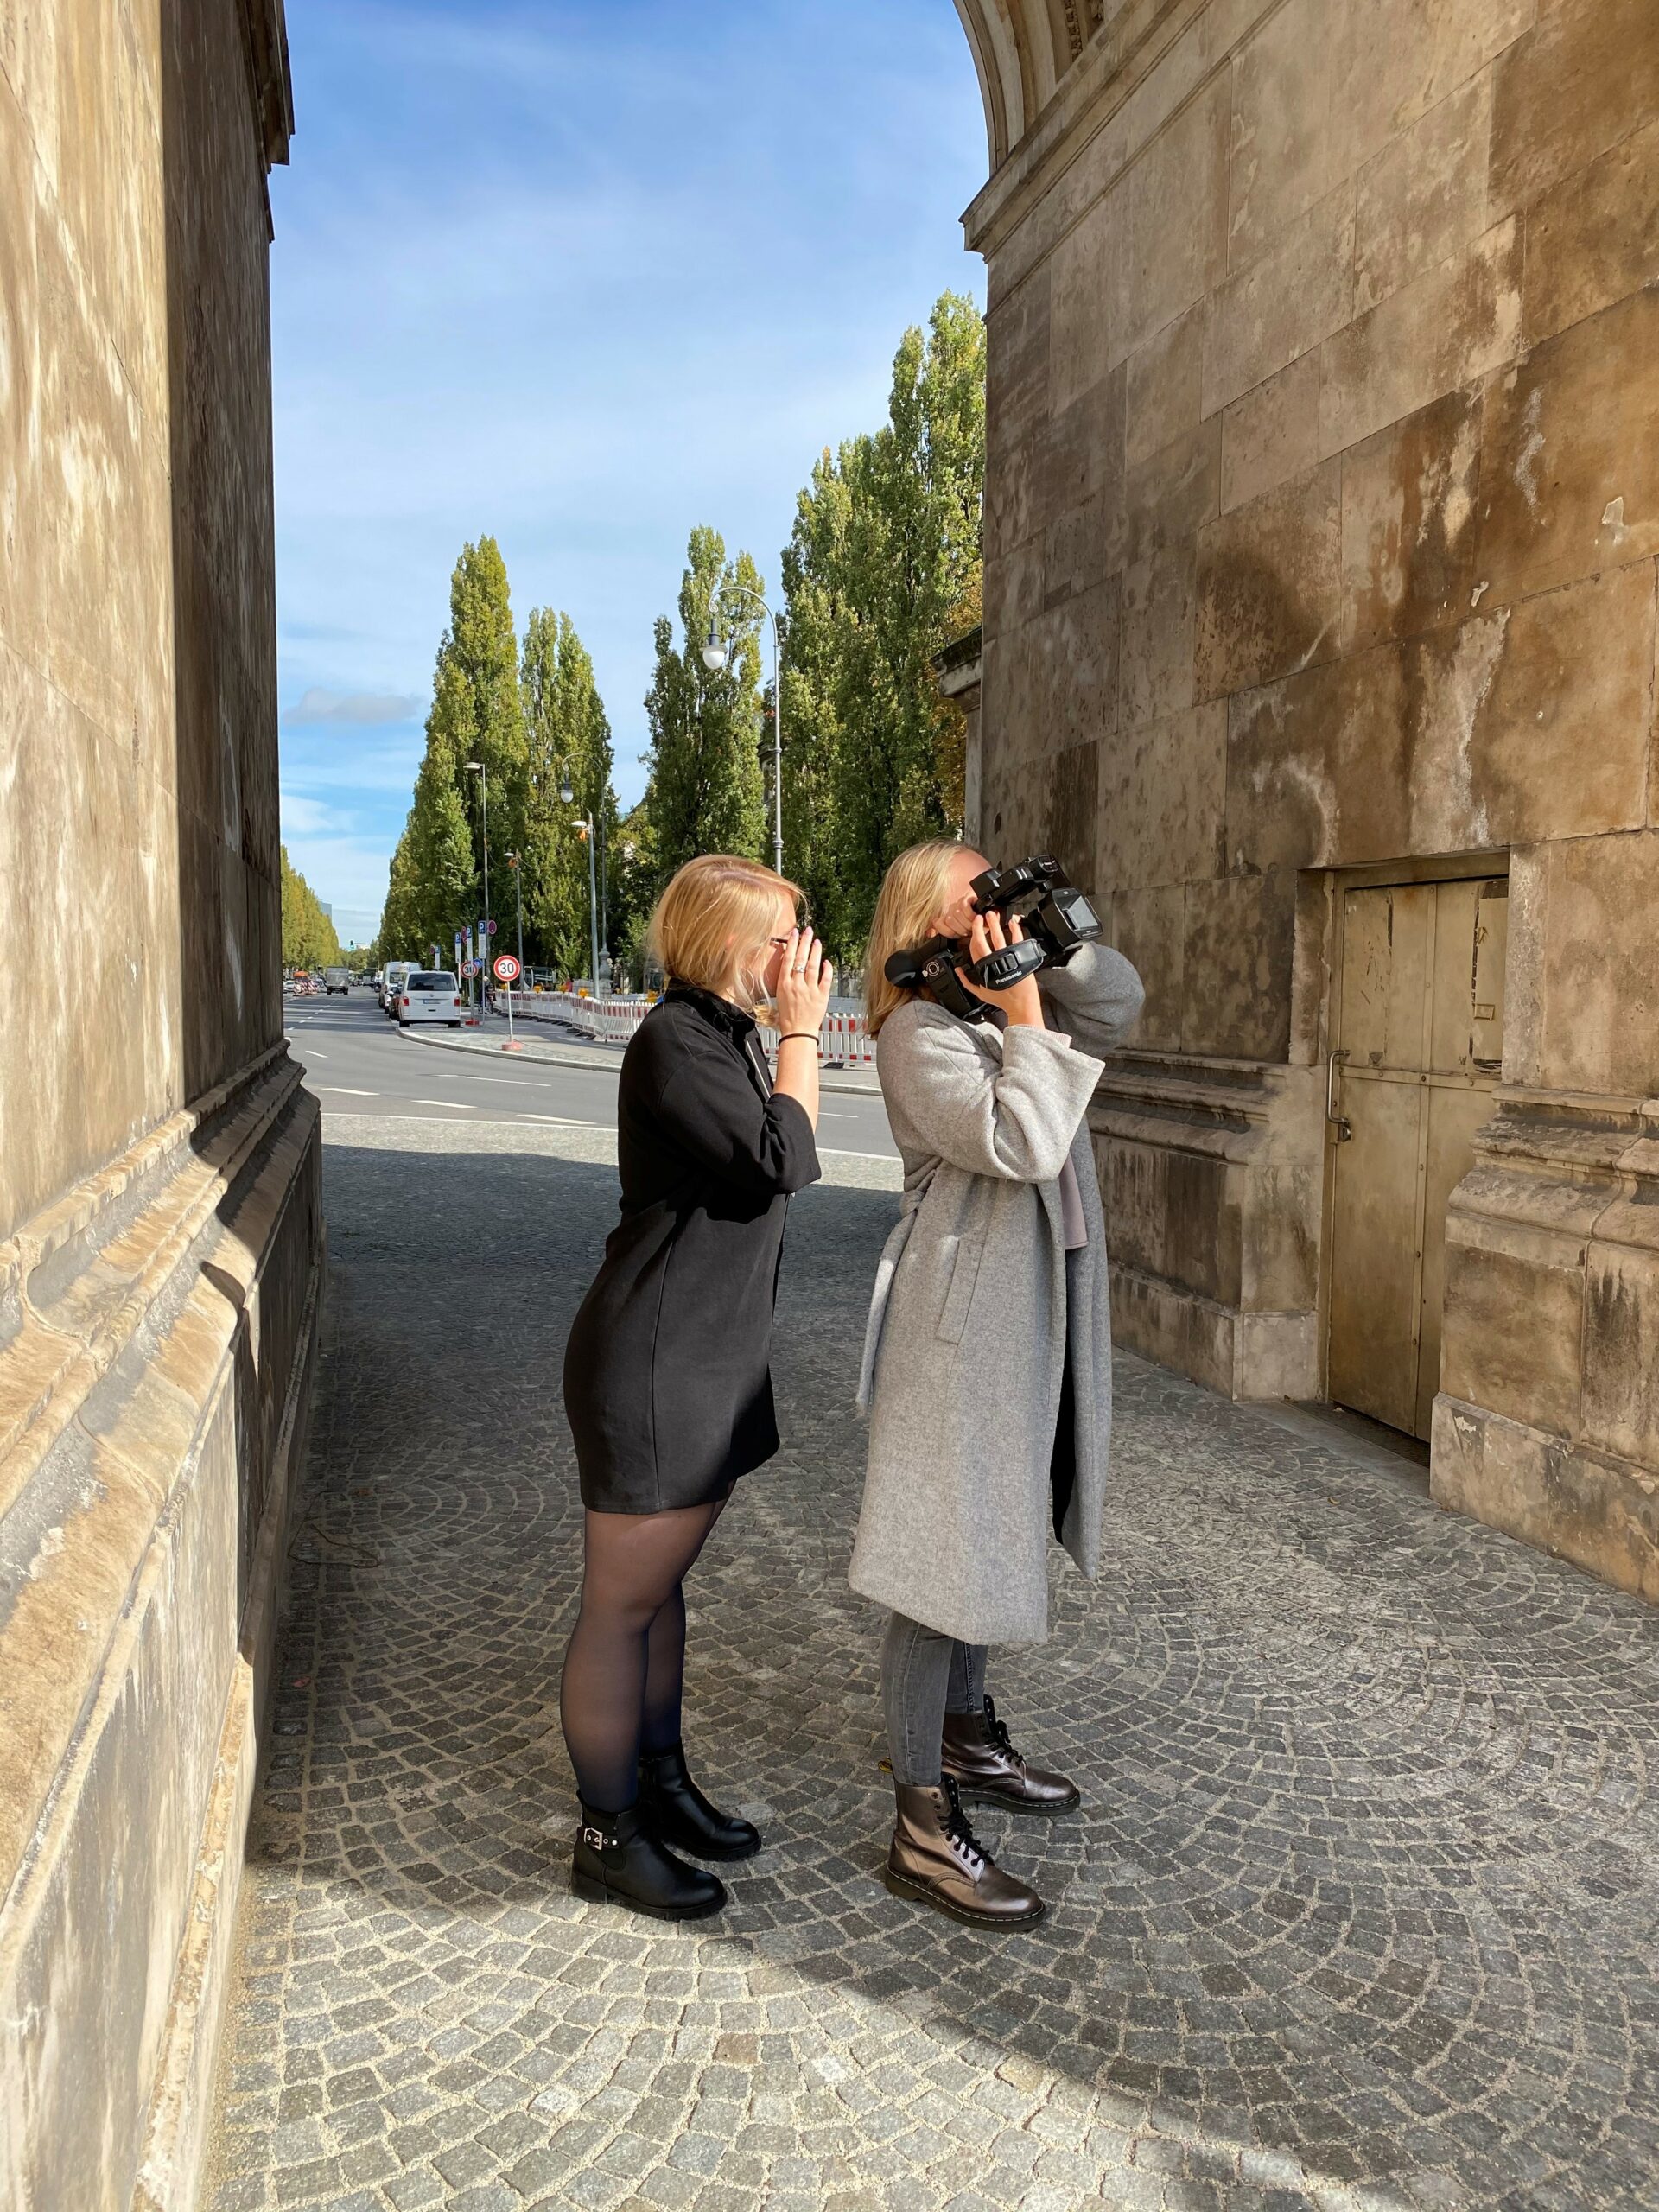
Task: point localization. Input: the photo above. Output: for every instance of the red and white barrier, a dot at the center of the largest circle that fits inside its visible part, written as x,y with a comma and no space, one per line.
842,1041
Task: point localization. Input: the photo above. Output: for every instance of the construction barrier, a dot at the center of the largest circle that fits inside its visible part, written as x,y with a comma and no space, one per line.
842,1041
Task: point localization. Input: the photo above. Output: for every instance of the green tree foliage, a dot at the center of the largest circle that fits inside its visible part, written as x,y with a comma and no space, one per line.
567,737
437,872
309,938
705,794
882,569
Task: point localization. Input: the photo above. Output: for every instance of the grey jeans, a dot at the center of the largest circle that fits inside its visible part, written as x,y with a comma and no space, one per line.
923,1677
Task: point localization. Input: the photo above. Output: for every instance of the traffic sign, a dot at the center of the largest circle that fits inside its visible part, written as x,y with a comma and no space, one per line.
507,968
490,926
469,968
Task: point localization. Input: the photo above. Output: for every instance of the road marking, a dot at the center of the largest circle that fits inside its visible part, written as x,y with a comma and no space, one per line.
515,1081
563,1120
454,1105
317,1055
338,1090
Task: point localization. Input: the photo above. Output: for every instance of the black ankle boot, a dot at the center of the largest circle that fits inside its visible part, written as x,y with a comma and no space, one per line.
678,1814
618,1861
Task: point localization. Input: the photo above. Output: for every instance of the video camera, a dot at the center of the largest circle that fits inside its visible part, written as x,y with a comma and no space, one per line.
1056,919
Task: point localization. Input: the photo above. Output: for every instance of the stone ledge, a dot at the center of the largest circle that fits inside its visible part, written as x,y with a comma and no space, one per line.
160,1351
1241,1356
1600,1513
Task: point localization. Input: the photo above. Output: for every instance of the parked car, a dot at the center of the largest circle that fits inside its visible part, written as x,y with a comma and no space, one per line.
430,995
395,972
337,979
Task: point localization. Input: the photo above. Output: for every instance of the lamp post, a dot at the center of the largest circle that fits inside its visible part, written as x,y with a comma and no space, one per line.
585,823
477,768
716,655
515,861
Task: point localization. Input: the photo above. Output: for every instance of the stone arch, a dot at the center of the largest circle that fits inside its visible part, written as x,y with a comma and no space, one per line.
1022,49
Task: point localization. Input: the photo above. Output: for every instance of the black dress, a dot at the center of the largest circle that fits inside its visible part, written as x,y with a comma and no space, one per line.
667,1385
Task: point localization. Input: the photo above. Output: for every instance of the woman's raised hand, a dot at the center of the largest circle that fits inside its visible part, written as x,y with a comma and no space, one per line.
1022,1005
805,979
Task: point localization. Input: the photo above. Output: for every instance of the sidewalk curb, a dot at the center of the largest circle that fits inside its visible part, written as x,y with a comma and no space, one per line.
551,1053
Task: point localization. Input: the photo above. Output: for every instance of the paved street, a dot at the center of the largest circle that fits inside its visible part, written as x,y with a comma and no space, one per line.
1359,1912
357,1061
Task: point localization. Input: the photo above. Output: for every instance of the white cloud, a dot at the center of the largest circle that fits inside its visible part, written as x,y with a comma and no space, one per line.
360,708
311,817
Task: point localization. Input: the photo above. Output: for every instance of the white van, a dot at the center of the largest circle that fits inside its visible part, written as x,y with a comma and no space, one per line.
428,994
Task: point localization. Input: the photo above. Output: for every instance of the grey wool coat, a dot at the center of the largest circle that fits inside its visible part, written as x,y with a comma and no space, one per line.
971,1322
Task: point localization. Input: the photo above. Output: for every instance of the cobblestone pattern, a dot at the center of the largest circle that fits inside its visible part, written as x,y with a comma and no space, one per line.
1359,1912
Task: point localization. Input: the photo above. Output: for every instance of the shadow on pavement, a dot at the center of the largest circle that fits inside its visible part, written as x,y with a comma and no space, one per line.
1360,1908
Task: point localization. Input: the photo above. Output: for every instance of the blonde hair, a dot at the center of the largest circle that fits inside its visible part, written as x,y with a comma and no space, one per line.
912,891
717,911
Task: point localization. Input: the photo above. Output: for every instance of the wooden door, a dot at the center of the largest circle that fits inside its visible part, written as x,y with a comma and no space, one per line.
1419,1045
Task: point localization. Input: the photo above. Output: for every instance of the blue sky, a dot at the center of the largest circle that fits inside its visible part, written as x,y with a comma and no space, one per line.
582,273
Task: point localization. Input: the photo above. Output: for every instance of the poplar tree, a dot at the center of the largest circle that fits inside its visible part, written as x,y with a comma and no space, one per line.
882,569
706,793
436,885
567,737
309,936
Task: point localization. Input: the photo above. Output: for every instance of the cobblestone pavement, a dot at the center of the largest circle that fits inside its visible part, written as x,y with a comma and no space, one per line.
1359,1913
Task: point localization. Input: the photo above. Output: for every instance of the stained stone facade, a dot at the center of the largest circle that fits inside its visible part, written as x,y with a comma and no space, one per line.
160,1231
1322,515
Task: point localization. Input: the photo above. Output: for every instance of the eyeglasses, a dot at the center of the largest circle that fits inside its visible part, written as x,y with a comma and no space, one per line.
802,926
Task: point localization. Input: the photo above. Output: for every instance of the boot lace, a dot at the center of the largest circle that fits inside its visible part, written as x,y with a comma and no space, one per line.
998,1731
959,1833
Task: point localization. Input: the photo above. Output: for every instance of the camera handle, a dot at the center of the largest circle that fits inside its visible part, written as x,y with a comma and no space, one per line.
1008,965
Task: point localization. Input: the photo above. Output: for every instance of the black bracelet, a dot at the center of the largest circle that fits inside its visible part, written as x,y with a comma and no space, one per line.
811,1035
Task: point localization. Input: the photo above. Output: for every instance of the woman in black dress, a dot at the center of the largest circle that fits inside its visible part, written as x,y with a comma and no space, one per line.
667,1385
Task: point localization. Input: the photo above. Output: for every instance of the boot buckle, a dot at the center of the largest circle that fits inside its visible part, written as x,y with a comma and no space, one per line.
596,1838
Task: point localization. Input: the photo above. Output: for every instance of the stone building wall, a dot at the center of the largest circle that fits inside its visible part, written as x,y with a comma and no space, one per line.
160,1233
1323,510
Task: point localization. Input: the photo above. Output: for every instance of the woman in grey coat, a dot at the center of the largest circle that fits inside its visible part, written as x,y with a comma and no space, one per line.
986,1372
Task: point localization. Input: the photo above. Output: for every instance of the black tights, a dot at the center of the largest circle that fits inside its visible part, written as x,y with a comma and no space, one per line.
625,1664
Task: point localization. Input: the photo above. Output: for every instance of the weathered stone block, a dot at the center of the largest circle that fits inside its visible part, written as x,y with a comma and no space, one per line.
1236,967
1270,434
1269,584
1282,305
1600,1513
1082,292
1167,500
1585,77
1016,409
1513,1318
1325,84
1148,928
1587,950
1163,789
1570,467
1167,222
1408,518
1015,587
1455,323
1165,397
1074,680
1593,239
1620,1331
1530,721
1423,198
1081,449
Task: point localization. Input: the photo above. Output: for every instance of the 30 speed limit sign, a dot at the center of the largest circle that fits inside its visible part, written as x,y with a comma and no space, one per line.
507,970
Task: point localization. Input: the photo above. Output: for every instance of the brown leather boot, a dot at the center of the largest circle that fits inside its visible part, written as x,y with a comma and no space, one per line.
987,1768
935,1856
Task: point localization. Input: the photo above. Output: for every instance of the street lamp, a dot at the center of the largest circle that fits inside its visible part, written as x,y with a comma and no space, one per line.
515,861
477,768
585,823
716,656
